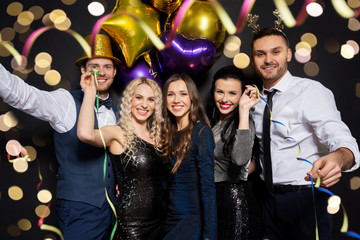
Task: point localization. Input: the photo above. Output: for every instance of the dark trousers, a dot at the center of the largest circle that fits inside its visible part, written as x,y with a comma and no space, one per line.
291,215
79,220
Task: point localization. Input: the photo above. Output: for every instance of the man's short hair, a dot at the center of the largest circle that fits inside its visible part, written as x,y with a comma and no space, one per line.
268,32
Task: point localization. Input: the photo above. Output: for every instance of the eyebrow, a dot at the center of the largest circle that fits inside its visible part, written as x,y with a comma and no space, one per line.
178,91
271,49
96,64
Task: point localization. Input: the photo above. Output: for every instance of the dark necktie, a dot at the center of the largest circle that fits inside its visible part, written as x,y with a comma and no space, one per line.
107,103
266,141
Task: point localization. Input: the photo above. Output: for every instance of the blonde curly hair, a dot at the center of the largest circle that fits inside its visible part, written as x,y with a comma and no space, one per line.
154,122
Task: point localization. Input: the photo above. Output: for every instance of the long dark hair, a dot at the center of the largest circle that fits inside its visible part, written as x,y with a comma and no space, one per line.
196,114
214,113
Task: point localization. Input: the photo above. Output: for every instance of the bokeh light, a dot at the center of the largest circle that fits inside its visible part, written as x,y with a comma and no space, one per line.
332,45
355,183
24,224
50,237
37,11
42,211
62,23
232,46
3,126
13,147
20,165
7,34
43,63
15,193
14,9
16,66
68,2
23,74
311,69
10,120
46,20
304,45
354,45
56,14
354,24
43,56
14,231
302,55
96,9
333,209
333,204
32,152
41,67
347,51
21,28
353,3
3,51
314,9
25,18
241,60
44,196
334,200
52,77
310,39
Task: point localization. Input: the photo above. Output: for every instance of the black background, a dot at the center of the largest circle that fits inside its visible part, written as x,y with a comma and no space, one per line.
338,74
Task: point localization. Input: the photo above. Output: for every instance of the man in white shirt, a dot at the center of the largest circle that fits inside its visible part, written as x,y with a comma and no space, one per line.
307,138
82,209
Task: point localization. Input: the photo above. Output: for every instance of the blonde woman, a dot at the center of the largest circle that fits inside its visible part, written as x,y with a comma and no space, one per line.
134,149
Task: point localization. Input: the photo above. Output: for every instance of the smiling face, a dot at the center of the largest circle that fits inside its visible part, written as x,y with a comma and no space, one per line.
270,58
142,103
227,93
107,72
178,101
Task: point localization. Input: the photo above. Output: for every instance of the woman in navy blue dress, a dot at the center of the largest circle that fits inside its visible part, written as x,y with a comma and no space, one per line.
189,147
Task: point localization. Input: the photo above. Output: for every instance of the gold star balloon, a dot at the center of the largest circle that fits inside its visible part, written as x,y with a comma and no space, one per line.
128,34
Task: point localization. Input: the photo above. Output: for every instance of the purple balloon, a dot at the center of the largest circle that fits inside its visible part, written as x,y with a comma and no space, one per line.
191,56
139,69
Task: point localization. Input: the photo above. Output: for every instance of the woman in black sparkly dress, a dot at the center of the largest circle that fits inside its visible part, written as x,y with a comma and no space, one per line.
234,135
134,146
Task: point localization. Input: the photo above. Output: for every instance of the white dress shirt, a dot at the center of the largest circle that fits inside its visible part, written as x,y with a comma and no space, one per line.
309,113
56,107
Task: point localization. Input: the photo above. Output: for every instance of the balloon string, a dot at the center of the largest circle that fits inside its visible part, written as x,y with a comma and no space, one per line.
288,17
32,38
13,52
245,10
96,73
343,9
43,226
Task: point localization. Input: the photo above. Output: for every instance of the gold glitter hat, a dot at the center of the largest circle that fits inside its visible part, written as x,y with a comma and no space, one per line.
102,49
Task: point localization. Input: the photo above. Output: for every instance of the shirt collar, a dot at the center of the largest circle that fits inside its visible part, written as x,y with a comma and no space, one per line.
283,84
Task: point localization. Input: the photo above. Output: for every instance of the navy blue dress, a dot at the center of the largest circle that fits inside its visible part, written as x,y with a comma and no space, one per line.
191,211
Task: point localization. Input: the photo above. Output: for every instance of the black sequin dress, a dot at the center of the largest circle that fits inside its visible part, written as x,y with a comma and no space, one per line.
140,205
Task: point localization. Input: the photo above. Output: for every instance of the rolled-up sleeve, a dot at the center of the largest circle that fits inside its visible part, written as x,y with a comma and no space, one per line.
326,121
